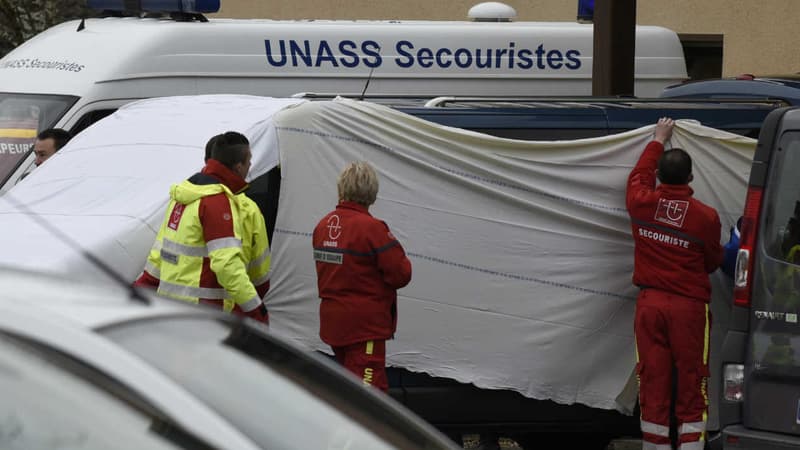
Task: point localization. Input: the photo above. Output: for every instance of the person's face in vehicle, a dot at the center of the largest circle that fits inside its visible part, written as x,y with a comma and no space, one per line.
43,149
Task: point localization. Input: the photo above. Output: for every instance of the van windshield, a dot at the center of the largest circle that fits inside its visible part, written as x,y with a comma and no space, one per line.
22,116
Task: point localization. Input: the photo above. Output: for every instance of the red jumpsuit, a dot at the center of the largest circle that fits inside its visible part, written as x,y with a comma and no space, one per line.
360,266
677,244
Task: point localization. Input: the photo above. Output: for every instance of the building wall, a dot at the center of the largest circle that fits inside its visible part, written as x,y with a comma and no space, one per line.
758,37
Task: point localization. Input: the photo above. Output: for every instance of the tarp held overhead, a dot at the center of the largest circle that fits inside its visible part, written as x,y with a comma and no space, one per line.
521,251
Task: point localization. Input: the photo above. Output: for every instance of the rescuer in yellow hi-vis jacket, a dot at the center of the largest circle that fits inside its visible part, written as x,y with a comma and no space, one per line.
212,247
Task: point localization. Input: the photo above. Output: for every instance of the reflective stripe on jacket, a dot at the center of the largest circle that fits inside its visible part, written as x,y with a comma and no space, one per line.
199,251
255,247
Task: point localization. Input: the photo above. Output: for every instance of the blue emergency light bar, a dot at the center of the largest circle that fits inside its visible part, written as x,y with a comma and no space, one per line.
177,6
585,10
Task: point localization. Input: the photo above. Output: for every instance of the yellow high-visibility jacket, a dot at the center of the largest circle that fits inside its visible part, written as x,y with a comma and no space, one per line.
255,246
211,245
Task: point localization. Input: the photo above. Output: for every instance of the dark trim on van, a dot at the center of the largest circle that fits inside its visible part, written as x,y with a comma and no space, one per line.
767,140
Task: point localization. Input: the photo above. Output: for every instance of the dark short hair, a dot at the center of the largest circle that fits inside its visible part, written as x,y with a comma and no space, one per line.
674,166
59,136
210,146
229,148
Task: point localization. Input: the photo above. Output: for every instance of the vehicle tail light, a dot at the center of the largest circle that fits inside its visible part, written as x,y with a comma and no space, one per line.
733,382
743,276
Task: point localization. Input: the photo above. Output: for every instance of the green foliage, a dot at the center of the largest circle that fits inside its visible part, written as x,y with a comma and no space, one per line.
22,19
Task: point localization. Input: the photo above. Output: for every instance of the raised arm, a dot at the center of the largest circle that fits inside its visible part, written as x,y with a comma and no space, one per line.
642,179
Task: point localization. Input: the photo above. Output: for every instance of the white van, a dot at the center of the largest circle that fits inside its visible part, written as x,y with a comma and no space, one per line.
78,72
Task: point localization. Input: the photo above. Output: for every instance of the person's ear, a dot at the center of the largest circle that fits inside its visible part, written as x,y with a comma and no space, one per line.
691,177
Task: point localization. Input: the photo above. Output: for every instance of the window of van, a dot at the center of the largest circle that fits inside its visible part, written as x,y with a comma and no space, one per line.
22,116
782,232
775,341
90,118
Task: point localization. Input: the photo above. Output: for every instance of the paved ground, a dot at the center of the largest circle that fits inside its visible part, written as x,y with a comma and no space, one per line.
626,444
471,442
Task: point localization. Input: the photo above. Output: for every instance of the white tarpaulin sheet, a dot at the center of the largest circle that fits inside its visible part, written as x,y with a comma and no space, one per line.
521,251
107,189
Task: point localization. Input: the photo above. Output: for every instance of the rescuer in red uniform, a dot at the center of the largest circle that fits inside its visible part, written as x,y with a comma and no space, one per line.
360,266
677,244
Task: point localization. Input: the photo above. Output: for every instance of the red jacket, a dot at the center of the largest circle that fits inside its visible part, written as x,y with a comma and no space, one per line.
360,266
676,236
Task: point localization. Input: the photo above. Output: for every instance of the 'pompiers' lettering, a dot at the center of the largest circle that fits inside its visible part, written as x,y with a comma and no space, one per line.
408,55
664,238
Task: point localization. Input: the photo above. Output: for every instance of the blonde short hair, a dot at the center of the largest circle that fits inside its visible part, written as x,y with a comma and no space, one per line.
358,183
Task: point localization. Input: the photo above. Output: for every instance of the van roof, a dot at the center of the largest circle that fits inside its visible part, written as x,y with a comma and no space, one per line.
130,48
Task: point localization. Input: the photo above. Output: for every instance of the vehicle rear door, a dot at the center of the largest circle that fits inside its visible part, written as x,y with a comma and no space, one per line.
772,364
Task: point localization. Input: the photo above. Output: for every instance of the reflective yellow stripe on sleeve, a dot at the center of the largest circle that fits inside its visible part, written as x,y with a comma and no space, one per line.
226,242
251,304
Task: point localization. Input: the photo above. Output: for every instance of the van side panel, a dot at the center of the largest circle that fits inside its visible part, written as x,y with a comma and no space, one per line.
399,57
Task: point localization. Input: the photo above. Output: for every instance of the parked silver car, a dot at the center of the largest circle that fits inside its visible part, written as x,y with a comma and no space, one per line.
109,367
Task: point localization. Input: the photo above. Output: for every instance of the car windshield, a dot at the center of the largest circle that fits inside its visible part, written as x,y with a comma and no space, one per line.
49,401
265,403
22,116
